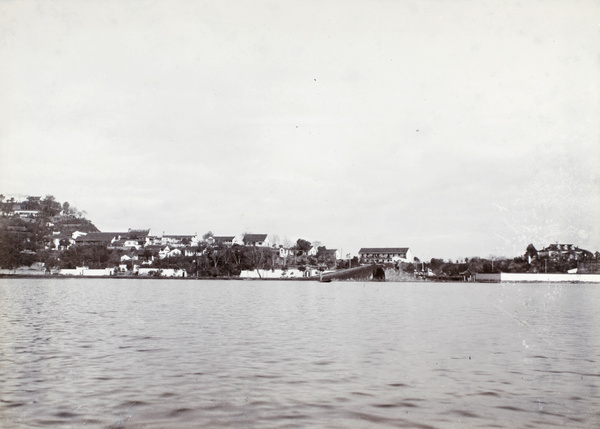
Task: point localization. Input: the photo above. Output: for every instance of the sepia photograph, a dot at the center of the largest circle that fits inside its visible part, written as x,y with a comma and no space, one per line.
299,214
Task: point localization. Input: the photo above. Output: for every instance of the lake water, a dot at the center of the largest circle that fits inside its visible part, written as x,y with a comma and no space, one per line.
270,354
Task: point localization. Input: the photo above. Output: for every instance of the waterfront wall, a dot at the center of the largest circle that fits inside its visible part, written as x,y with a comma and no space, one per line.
277,274
161,272
22,271
82,271
537,277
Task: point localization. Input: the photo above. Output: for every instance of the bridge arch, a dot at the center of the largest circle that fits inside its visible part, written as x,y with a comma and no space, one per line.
378,273
364,272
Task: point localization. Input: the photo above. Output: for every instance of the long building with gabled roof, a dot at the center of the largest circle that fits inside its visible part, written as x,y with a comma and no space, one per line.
382,255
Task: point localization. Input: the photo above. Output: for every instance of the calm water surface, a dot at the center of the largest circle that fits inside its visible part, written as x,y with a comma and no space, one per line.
179,354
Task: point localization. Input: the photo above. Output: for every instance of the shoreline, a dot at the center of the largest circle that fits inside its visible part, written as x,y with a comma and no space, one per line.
299,279
71,276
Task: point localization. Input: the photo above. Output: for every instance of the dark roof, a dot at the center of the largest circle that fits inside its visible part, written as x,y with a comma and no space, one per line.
98,237
138,233
331,251
61,236
558,247
254,238
222,238
152,248
383,250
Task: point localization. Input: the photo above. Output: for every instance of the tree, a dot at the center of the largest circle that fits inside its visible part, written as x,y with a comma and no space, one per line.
531,252
32,203
342,264
518,265
50,207
7,207
303,245
407,267
10,250
321,253
240,258
215,255
258,257
436,265
49,260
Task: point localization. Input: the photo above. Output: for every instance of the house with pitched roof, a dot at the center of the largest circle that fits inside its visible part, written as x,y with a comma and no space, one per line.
132,243
117,244
191,251
138,233
257,240
284,252
23,213
226,240
98,238
385,255
179,240
169,252
328,255
149,253
61,241
565,251
137,238
221,240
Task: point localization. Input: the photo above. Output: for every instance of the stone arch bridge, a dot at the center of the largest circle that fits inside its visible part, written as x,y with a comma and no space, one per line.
362,273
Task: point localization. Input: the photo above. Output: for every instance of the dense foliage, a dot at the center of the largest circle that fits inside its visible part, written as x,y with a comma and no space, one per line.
520,264
38,230
25,239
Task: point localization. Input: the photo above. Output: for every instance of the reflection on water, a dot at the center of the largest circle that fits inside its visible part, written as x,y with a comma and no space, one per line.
173,353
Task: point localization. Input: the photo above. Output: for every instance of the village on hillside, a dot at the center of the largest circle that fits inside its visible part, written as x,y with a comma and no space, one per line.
42,236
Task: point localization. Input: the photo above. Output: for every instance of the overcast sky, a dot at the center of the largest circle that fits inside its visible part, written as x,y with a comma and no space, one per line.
455,128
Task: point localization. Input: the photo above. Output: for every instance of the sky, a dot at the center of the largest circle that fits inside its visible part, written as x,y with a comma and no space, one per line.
455,128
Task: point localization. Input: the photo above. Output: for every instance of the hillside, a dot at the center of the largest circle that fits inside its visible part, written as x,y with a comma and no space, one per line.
68,225
29,228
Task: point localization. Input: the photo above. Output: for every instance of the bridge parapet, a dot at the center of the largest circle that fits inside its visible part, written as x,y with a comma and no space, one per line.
364,273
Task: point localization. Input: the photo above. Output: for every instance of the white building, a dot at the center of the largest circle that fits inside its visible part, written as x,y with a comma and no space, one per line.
383,255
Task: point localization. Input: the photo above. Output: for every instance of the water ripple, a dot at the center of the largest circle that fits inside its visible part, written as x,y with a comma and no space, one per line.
256,354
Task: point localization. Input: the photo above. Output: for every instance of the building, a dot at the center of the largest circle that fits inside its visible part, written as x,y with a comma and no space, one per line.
385,255
555,252
179,240
329,255
137,238
98,238
258,240
22,210
60,241
225,240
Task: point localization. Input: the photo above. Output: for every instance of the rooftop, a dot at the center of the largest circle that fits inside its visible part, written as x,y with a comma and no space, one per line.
383,250
253,238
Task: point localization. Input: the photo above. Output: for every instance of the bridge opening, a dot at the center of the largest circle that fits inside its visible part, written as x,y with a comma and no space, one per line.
379,274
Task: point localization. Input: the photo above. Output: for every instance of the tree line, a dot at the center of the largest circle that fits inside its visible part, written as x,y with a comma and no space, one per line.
207,260
23,240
